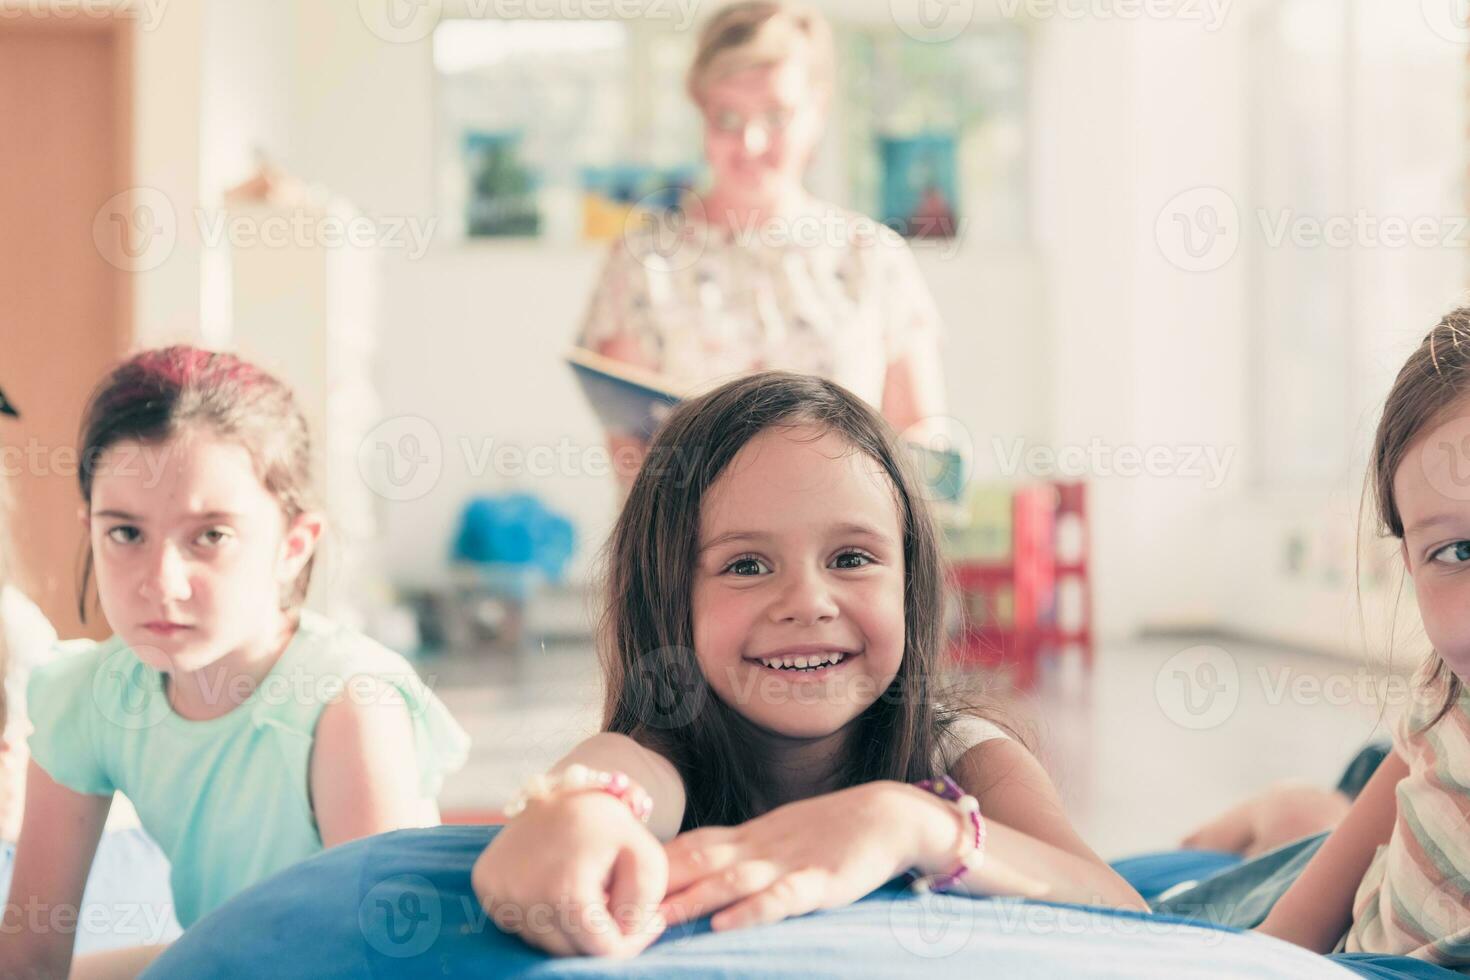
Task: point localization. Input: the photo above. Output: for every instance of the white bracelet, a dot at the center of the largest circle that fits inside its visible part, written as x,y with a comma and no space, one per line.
577,778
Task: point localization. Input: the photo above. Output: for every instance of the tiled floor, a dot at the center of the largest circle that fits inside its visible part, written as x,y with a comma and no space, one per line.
1164,733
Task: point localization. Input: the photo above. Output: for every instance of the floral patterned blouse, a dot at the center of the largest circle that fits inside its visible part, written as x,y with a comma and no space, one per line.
827,292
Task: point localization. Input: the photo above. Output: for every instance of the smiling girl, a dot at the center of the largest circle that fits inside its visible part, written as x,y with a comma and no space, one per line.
776,737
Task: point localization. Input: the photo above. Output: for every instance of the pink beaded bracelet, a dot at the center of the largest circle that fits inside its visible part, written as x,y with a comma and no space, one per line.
972,836
577,778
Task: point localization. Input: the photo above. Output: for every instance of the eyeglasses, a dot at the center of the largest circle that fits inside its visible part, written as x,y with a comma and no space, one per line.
730,121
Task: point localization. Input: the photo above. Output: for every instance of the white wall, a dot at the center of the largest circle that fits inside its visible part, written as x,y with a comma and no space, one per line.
474,331
1143,355
1093,337
1406,124
1146,354
1084,221
167,65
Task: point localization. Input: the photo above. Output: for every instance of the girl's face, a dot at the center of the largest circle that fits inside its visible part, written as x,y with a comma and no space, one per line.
192,552
801,563
1432,490
761,127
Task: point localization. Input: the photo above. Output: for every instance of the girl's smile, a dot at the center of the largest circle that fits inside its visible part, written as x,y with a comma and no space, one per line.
799,584
805,662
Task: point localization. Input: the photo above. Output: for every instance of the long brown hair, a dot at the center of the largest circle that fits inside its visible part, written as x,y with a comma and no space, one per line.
1434,380
158,394
655,691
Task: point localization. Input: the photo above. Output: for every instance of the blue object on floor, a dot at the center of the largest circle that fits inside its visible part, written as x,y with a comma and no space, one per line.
1239,894
1233,891
400,905
515,530
1153,874
1393,967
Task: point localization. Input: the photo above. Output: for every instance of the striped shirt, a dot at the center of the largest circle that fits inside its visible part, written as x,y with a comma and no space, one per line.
1415,898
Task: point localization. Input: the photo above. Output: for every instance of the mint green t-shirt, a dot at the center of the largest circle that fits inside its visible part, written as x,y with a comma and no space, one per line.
227,798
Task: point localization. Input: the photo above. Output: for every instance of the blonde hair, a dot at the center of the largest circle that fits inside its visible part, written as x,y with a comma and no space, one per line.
757,33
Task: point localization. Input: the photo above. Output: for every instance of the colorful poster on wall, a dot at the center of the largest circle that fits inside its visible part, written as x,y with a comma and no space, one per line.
502,191
610,194
919,185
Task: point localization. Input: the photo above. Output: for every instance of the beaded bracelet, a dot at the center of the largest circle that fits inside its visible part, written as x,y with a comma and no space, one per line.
577,778
971,845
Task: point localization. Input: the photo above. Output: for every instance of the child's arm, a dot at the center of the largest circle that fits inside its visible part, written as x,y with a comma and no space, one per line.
579,874
1030,849
657,776
831,850
1318,908
364,769
58,841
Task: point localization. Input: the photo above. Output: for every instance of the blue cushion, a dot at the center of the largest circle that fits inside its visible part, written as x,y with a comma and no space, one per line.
400,905
1153,874
1379,967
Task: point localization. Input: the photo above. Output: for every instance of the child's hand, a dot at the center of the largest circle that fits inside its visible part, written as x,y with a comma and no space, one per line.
575,875
820,853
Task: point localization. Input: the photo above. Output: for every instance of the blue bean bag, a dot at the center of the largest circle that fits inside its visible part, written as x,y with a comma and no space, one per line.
1223,889
400,905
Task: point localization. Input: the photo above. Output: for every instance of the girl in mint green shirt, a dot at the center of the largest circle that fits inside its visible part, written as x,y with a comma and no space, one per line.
247,732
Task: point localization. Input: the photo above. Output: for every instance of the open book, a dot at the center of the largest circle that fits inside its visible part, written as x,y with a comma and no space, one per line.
633,401
629,400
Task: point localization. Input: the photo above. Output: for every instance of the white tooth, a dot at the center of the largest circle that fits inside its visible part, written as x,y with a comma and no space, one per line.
788,661
801,661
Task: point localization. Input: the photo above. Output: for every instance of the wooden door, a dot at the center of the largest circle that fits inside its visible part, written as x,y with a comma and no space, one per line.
65,306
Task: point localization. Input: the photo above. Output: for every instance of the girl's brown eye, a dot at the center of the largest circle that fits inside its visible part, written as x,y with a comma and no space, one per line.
124,534
862,559
744,567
